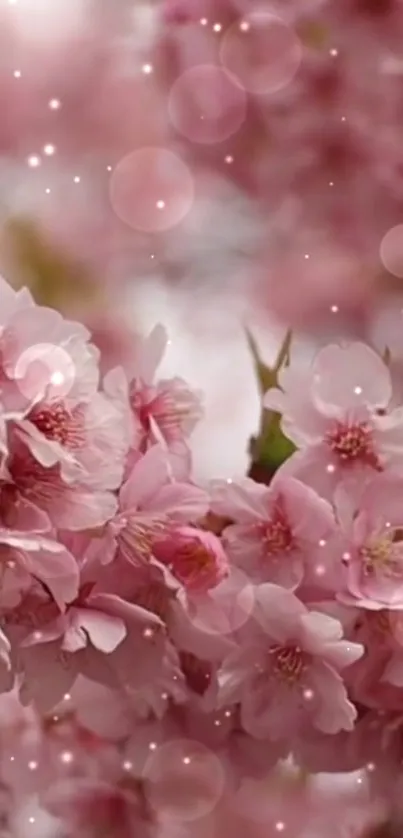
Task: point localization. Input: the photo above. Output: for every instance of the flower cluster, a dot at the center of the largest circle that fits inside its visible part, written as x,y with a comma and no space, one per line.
162,643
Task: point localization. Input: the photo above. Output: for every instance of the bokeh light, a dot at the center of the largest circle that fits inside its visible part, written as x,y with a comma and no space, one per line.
151,190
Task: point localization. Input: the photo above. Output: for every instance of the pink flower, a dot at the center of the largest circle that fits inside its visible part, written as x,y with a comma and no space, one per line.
195,557
43,559
35,344
93,626
369,545
286,674
150,500
40,489
277,531
337,413
89,439
166,411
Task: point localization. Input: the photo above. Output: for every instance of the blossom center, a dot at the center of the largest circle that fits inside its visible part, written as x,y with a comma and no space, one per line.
382,556
353,444
59,424
277,536
288,663
137,537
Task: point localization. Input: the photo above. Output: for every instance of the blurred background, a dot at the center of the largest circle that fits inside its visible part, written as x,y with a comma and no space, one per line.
212,165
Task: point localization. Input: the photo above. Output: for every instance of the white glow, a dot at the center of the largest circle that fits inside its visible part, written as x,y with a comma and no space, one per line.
147,69
66,757
32,765
49,149
217,27
77,179
34,161
17,74
54,104
57,377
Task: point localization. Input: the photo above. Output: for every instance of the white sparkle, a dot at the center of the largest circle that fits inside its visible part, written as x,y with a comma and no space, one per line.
12,759
147,69
320,570
49,149
334,52
109,168
280,826
229,159
66,757
164,696
186,760
388,524
370,766
203,21
148,632
153,746
343,119
160,205
322,542
32,765
57,378
331,183
38,635
358,391
31,819
47,191
227,713
17,74
67,697
77,179
54,104
346,556
244,26
217,27
308,694
359,780
217,723
127,765
331,468
306,256
229,480
34,161
334,309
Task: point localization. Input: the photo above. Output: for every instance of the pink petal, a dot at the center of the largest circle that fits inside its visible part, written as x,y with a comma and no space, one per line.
181,501
149,473
238,500
346,376
277,611
105,632
333,710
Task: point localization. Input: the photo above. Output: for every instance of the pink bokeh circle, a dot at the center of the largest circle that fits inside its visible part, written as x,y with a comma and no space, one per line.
207,105
151,190
44,370
184,780
391,251
262,51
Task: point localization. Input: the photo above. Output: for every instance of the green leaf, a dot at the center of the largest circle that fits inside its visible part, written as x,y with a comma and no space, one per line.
271,447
